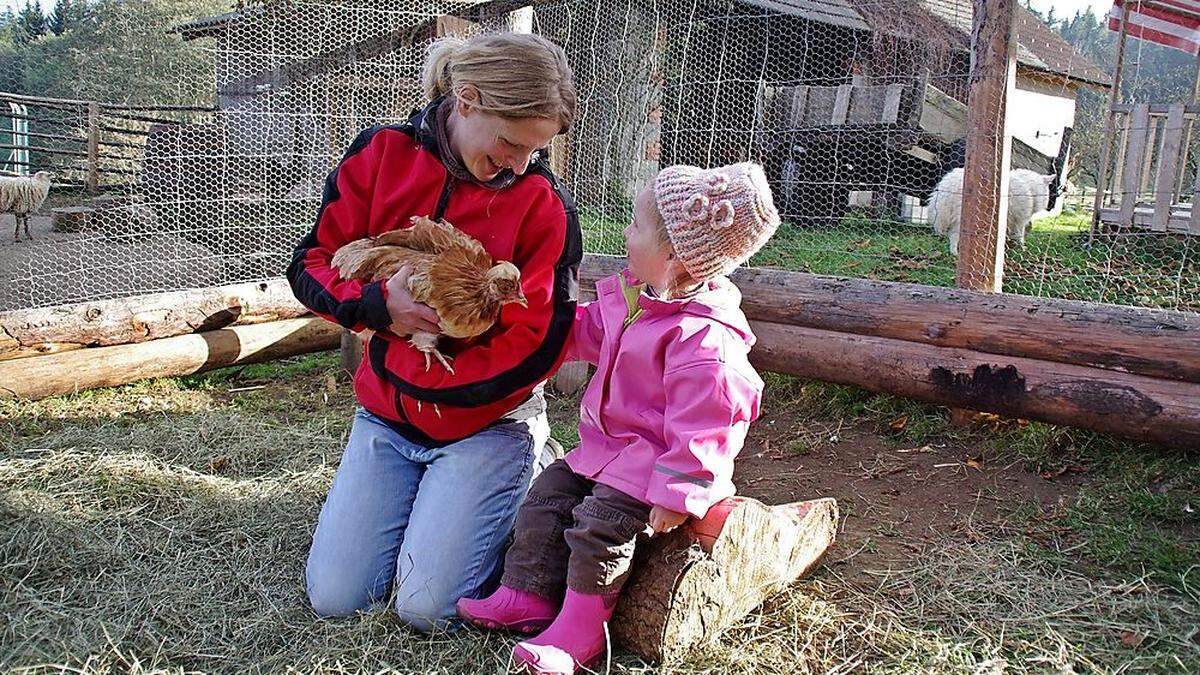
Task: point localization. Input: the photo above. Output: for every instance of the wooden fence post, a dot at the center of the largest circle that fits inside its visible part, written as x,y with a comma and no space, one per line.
985,177
93,148
1114,97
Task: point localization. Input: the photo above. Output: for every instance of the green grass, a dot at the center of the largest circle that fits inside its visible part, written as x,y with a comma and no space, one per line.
162,527
603,230
1140,269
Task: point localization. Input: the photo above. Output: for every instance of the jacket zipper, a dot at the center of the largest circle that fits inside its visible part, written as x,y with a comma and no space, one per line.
444,199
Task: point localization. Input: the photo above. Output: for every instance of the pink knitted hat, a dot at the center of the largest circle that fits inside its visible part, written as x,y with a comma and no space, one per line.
716,218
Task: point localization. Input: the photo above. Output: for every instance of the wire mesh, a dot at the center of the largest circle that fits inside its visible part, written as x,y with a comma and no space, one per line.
858,110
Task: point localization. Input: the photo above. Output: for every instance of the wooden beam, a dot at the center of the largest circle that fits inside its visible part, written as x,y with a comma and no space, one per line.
1114,99
69,372
1153,148
93,148
331,60
891,103
922,154
841,105
799,107
1143,217
1118,175
1190,110
351,353
1168,168
1194,221
1135,148
985,176
33,332
1162,344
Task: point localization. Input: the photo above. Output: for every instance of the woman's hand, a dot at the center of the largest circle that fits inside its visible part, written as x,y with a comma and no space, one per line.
408,315
665,520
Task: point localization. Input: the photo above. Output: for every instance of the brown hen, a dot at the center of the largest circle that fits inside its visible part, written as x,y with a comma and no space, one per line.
451,272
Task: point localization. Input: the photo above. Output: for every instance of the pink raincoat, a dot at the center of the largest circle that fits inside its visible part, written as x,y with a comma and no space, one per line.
673,396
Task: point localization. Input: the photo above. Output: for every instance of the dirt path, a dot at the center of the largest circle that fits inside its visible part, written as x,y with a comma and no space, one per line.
62,267
894,497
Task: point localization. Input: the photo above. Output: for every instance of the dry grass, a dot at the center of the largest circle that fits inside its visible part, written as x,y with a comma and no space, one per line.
163,527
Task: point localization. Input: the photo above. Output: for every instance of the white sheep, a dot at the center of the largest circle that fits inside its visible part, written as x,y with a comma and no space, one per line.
22,195
1028,193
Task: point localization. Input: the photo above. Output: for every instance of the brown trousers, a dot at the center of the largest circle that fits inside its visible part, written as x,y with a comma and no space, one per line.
574,532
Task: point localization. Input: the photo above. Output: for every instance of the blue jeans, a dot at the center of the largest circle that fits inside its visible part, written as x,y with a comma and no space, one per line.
428,525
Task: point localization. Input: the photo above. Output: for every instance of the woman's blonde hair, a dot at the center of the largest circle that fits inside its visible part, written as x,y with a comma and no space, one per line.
516,75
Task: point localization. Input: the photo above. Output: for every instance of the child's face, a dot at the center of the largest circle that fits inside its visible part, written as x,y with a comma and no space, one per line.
649,260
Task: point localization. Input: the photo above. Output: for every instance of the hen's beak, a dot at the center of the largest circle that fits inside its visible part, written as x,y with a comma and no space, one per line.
521,300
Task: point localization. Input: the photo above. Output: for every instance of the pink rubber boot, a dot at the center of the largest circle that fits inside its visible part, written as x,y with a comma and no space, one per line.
575,639
509,609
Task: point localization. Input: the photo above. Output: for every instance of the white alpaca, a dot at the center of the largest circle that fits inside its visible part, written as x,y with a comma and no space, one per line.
1028,193
22,195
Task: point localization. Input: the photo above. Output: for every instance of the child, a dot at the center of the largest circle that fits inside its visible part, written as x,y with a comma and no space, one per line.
661,421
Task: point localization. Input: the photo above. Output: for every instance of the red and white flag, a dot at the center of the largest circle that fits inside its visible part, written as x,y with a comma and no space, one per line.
1174,23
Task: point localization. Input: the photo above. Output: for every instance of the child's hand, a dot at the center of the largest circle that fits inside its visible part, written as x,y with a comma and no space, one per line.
665,520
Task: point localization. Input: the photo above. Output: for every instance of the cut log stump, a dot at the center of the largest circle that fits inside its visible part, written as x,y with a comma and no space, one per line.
351,354
571,378
690,586
71,218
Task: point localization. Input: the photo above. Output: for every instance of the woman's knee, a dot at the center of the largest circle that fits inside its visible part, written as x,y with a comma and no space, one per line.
426,612
331,593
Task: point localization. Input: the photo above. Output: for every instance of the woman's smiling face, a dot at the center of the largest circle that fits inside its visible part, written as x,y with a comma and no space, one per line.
488,144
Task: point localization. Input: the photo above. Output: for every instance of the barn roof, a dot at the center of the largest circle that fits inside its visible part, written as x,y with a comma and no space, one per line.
836,12
212,25
947,21
1038,46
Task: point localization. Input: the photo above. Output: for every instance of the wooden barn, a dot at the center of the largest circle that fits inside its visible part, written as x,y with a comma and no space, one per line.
295,95
842,100
846,102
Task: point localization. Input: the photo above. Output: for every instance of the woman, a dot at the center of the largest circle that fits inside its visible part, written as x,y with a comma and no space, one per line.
437,463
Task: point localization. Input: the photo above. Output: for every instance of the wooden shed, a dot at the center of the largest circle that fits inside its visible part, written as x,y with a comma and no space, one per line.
836,97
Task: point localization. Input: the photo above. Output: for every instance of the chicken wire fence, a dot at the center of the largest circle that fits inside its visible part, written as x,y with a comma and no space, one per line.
857,109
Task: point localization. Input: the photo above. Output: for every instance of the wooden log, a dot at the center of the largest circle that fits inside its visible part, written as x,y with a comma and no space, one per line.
31,332
680,597
1155,343
989,146
68,372
1132,406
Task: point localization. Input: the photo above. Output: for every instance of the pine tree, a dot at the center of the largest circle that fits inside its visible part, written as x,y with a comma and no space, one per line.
64,17
69,15
31,21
